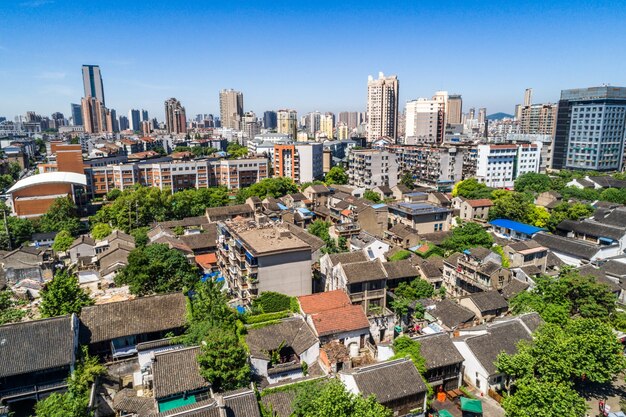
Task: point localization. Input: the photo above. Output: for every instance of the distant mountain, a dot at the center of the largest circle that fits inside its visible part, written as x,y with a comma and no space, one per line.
499,116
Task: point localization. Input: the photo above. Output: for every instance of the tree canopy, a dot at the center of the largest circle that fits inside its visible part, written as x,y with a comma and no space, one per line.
62,215
466,236
320,228
472,189
544,399
63,296
223,361
100,231
268,187
157,269
9,313
404,346
336,175
372,196
235,150
533,182
62,241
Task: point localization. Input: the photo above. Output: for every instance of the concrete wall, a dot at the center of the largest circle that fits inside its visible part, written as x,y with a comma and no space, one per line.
287,273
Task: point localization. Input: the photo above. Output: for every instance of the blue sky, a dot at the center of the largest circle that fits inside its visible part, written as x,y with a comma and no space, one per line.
313,55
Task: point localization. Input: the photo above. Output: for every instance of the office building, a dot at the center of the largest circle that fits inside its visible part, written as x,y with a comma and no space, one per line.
123,123
382,107
302,162
288,122
92,82
482,116
112,119
175,117
455,109
134,120
144,116
471,114
77,115
254,259
371,168
422,121
269,120
590,129
231,109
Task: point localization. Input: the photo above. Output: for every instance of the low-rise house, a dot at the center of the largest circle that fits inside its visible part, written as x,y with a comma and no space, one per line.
317,193
575,252
201,243
177,380
513,288
594,232
527,253
474,270
475,209
423,217
26,269
480,349
487,305
329,266
365,284
373,247
333,317
114,259
439,199
402,235
383,191
448,314
37,358
84,245
400,271
113,330
612,216
549,199
444,363
430,269
42,239
277,351
396,384
217,214
510,229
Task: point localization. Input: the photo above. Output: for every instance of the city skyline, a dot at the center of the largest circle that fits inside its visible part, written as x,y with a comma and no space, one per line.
487,70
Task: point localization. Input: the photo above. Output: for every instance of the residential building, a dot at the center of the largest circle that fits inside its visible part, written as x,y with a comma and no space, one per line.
270,120
382,107
475,270
538,119
590,129
396,384
250,125
510,229
231,109
422,217
175,117
327,125
422,122
576,252
475,209
370,168
300,161
134,120
287,123
499,165
254,259
77,115
94,116
364,282
92,82
443,361
486,305
454,109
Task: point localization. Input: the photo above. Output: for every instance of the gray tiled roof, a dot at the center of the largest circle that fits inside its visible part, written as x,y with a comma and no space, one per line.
126,318
128,401
450,313
199,241
389,381
488,301
513,288
568,246
438,350
612,217
400,269
177,371
363,271
239,403
294,333
36,346
232,211
591,228
280,402
347,257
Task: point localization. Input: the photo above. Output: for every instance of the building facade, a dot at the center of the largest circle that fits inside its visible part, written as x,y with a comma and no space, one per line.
287,121
175,117
371,168
231,109
382,107
302,162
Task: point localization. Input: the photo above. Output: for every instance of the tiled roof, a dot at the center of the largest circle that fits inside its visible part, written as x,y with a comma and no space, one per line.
294,333
591,228
83,239
280,402
438,350
577,248
488,301
199,241
126,318
239,403
363,271
483,202
339,320
36,346
614,217
389,381
319,189
232,211
400,269
450,313
347,257
402,231
127,401
177,371
207,260
513,288
323,301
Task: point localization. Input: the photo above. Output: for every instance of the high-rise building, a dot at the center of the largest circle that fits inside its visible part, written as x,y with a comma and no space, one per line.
231,109
269,119
134,119
482,115
441,97
95,116
538,119
302,162
422,121
250,125
77,115
287,121
382,107
92,82
371,168
455,108
472,114
528,97
590,129
175,118
123,123
343,132
144,116
115,126
312,122
327,125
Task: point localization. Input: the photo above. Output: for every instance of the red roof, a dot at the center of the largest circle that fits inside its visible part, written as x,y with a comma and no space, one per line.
316,303
346,212
206,261
483,202
343,319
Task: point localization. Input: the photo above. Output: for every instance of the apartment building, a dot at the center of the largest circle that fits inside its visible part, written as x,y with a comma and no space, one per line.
423,217
474,270
382,107
177,175
499,165
370,168
255,258
302,162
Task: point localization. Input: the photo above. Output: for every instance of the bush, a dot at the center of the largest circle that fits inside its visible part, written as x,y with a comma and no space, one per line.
400,255
260,318
272,302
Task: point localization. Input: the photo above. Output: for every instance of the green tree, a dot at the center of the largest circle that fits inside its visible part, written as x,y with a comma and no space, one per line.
511,205
6,181
404,346
336,175
157,269
533,182
61,215
415,290
332,399
466,236
544,399
74,402
140,235
62,241
208,309
538,216
100,231
400,255
113,194
223,361
472,189
9,313
614,195
271,302
235,150
20,230
14,170
268,187
63,296
407,180
371,196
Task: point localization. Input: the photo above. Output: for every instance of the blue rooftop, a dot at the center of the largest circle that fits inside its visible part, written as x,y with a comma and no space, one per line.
379,205
524,228
305,211
281,206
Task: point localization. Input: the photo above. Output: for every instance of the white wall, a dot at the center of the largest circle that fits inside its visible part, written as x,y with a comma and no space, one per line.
473,370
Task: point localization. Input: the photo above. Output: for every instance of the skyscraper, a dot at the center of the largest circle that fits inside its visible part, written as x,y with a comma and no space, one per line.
422,121
144,116
77,115
92,82
482,115
441,97
95,116
269,119
455,108
327,124
312,122
175,118
287,121
590,129
528,97
134,119
231,108
538,119
250,125
382,107
123,123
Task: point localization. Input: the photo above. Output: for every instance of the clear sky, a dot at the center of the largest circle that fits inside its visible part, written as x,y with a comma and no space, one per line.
306,55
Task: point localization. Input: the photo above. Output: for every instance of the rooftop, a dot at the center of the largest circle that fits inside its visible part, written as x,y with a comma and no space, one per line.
417,208
177,371
266,239
487,301
294,333
524,228
438,350
49,178
363,271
